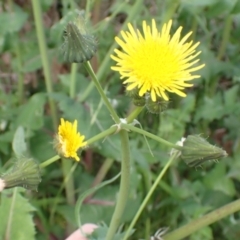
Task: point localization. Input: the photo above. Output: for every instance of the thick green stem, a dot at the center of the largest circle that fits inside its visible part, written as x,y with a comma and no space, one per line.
101,92
206,220
45,61
124,186
134,114
104,65
150,135
49,161
145,201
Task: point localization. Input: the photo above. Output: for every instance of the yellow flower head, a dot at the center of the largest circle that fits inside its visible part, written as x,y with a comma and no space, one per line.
155,62
68,140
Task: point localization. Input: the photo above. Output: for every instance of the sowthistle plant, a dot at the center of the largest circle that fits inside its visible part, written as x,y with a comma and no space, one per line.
153,65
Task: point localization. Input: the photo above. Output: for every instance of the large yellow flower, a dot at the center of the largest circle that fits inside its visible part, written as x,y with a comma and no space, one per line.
155,62
69,140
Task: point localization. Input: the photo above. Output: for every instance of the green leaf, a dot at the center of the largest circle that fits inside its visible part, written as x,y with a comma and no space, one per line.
236,8
87,193
12,22
204,233
33,63
16,217
19,145
221,7
210,108
101,232
41,146
218,181
31,114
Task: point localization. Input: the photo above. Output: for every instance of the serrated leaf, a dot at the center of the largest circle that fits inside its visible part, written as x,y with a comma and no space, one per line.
16,217
19,145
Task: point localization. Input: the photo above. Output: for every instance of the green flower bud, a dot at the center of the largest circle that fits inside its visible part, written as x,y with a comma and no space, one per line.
156,107
79,45
197,150
25,173
137,100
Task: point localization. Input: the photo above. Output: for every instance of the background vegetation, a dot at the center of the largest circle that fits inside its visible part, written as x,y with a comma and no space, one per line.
211,108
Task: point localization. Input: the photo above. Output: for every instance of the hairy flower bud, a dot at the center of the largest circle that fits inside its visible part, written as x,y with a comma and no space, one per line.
79,45
197,150
157,106
137,100
25,173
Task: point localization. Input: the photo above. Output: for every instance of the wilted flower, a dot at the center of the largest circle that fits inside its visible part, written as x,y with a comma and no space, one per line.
154,62
69,140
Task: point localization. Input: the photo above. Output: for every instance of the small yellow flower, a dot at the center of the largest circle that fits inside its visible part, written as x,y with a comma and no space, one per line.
155,62
68,140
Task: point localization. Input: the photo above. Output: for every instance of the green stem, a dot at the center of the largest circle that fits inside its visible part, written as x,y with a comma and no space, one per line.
144,203
134,114
170,10
103,134
72,89
101,173
69,184
45,61
225,36
206,220
104,65
124,186
87,193
101,92
9,228
194,28
49,161
147,228
66,164
58,195
150,135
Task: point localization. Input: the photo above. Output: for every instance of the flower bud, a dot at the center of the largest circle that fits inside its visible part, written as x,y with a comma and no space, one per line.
25,173
137,100
79,45
197,150
157,106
